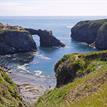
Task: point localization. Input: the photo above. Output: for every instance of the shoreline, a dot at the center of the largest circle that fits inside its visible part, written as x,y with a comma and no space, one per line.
32,87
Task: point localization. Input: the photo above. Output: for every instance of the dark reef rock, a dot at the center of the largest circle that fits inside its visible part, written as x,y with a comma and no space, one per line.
91,32
46,38
16,41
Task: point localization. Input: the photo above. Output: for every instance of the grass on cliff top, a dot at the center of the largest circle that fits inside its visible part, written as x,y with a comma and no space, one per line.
11,30
100,21
9,96
87,91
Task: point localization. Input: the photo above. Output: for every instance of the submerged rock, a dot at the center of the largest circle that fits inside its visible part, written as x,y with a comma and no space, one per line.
91,32
46,38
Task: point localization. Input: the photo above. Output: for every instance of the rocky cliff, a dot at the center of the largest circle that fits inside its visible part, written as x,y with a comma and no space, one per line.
93,31
46,38
16,41
77,65
9,93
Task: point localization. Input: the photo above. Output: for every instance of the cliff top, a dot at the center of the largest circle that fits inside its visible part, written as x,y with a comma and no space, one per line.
11,28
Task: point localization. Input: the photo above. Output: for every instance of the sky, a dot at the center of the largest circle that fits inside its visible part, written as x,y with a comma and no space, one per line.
53,7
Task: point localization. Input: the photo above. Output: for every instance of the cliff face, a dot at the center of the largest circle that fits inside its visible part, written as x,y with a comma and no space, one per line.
81,81
46,38
91,32
9,95
75,65
16,41
102,37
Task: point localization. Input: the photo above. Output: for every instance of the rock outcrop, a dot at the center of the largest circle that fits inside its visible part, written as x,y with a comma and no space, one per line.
46,38
91,32
77,65
101,40
16,41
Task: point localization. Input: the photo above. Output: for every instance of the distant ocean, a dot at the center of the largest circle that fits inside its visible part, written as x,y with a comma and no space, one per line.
42,62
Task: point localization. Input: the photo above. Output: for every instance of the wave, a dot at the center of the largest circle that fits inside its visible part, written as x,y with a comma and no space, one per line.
37,72
22,67
83,43
43,57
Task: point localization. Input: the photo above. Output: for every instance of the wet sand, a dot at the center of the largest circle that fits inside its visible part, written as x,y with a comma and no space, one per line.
31,87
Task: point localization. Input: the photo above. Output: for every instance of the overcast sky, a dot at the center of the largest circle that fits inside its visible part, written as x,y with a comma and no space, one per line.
53,7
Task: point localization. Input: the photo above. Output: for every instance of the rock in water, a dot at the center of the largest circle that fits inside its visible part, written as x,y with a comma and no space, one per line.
94,31
12,41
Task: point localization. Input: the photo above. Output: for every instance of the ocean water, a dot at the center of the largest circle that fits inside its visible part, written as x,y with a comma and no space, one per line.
41,63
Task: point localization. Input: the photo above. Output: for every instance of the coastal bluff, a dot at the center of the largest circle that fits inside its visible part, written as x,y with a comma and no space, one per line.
81,81
15,39
93,32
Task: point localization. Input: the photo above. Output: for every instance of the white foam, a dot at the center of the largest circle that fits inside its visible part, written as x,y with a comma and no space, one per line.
22,67
67,47
37,72
69,26
83,43
21,71
43,57
34,63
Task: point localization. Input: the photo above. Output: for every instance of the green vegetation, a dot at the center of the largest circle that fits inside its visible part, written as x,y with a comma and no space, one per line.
4,28
101,21
89,86
9,96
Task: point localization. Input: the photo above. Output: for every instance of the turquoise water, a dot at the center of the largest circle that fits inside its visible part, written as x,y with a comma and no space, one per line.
42,62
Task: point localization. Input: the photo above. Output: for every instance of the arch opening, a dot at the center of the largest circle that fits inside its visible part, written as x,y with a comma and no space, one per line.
36,38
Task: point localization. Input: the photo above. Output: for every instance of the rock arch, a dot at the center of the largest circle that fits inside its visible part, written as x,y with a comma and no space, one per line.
46,38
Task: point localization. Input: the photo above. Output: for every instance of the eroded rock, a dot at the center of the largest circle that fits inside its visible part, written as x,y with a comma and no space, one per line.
94,31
